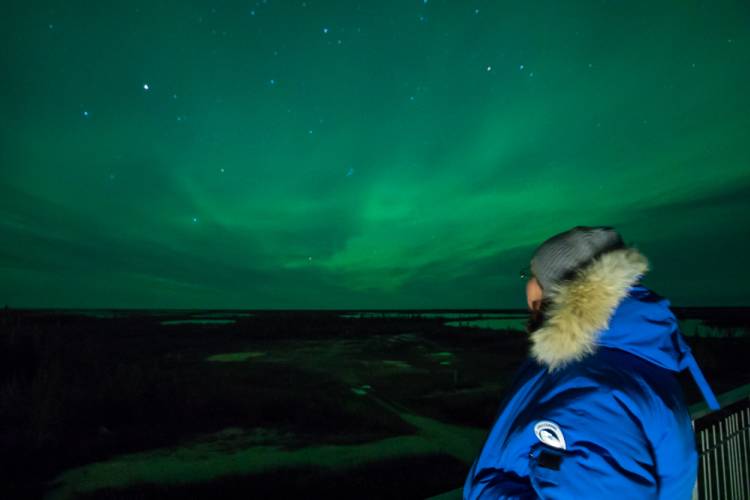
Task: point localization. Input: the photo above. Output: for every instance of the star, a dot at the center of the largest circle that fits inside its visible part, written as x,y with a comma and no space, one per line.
272,81
85,113
520,67
145,86
476,11
325,30
195,220
221,170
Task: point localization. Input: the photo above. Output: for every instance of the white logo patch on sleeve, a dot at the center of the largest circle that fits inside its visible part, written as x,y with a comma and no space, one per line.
549,433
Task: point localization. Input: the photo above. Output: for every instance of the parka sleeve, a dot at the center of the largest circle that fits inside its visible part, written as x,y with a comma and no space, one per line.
585,442
602,448
498,484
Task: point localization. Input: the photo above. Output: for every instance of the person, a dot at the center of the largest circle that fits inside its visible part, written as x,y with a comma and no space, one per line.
596,411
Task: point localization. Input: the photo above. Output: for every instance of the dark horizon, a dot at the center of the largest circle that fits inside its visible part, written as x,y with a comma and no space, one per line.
514,310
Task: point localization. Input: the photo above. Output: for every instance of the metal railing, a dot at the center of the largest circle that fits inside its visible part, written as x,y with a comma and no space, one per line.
723,439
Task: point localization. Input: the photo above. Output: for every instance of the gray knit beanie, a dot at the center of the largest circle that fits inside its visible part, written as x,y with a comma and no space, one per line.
559,257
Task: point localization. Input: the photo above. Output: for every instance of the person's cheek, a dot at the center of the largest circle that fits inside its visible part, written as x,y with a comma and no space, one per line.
530,295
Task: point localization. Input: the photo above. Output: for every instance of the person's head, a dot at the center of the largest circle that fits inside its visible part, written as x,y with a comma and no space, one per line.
558,259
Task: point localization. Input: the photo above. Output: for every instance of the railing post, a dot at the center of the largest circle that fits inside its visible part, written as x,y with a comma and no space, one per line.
723,440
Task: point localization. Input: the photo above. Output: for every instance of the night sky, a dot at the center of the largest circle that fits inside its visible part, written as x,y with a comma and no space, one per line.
385,154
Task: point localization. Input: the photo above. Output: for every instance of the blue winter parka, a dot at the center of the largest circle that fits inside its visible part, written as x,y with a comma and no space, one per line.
596,411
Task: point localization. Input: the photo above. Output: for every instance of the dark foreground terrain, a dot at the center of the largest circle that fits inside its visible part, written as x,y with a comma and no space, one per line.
269,404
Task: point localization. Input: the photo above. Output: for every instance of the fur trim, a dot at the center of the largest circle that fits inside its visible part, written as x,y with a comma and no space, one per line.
581,308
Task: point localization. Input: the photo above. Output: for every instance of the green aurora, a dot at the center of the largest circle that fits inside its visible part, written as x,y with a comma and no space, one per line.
342,155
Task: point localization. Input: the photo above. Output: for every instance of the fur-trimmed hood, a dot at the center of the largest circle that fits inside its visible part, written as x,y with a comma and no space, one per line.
605,305
580,310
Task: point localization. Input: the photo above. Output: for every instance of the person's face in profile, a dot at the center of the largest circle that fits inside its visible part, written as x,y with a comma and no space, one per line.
534,296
